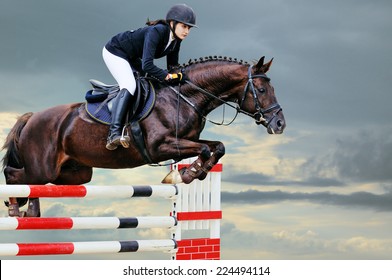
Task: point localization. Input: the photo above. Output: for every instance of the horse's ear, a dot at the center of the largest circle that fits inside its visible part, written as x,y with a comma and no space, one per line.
260,63
261,67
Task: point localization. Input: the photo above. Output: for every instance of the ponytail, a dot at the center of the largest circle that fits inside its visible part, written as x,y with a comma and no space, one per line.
155,22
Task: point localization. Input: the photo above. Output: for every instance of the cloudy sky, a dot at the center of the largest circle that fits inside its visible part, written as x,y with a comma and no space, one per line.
322,190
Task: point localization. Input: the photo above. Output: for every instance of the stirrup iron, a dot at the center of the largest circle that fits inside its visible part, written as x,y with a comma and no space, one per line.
125,140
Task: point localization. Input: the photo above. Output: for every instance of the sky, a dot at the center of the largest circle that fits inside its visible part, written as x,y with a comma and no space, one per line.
322,190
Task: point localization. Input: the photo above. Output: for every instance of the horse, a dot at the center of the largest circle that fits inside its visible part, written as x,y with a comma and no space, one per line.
62,144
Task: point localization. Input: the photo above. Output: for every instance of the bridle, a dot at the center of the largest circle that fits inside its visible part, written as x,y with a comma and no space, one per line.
259,116
260,113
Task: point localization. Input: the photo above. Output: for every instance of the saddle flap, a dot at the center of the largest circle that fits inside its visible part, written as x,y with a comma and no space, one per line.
143,90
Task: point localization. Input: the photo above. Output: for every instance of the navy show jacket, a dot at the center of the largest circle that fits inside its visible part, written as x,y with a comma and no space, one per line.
140,47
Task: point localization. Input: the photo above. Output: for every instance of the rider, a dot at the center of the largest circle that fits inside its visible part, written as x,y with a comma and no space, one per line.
136,49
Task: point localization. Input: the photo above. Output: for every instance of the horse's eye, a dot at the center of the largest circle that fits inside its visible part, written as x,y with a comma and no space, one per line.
261,90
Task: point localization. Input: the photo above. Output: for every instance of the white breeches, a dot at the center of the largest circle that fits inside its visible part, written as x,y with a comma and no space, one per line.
121,71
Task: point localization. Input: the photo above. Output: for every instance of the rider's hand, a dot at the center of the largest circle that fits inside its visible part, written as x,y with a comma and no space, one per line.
175,78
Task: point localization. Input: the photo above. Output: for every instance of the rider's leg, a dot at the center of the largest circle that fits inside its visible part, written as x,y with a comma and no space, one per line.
122,72
119,111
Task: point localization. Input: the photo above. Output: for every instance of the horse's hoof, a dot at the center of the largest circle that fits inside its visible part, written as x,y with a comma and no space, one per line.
33,209
173,177
13,210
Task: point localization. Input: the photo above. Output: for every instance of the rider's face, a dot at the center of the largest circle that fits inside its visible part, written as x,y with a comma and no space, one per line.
182,30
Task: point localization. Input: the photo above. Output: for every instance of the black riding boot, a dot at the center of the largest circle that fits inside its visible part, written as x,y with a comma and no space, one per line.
120,108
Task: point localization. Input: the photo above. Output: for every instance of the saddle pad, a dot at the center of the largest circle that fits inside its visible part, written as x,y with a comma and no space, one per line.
100,112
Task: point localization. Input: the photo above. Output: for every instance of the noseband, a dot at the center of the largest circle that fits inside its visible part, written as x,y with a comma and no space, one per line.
259,116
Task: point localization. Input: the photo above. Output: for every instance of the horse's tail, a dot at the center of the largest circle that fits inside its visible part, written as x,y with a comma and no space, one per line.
11,157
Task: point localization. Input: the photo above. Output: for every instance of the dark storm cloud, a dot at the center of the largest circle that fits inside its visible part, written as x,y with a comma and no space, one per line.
65,34
377,202
367,157
322,51
50,49
364,157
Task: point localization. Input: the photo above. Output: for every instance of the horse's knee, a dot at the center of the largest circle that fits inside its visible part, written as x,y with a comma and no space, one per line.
205,152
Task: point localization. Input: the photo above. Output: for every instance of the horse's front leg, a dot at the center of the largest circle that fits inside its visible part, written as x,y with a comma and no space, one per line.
186,149
218,150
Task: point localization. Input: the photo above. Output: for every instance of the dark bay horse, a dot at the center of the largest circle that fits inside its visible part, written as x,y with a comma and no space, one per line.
61,145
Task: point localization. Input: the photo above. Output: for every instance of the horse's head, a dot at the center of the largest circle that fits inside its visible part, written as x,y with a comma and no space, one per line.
258,99
214,81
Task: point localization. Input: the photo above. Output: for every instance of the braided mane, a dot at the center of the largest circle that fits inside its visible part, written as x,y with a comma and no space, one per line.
214,58
201,78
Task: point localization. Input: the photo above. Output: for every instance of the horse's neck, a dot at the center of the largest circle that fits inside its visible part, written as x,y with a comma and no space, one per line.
219,80
216,76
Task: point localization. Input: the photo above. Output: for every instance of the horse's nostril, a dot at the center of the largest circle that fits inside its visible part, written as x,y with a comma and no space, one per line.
279,123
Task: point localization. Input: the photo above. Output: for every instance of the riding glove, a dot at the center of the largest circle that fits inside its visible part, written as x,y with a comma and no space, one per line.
176,78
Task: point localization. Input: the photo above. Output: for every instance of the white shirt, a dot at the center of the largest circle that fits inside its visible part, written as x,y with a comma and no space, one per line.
171,39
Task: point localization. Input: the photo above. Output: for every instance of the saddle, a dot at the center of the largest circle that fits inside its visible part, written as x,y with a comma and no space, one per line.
100,98
99,107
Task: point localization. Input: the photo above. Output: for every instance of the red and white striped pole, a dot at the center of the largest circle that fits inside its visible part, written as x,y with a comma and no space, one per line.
72,223
92,247
88,191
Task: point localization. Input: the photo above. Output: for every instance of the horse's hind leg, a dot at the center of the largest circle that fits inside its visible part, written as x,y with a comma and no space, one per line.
16,176
71,174
32,176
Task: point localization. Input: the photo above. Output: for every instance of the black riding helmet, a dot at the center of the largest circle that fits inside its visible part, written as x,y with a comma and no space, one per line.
182,13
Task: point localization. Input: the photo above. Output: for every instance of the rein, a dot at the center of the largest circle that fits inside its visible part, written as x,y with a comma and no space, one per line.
197,109
260,112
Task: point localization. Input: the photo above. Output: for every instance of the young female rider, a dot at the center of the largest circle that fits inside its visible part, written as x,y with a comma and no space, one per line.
136,50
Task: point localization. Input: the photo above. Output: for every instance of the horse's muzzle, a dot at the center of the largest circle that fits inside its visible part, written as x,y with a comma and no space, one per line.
275,123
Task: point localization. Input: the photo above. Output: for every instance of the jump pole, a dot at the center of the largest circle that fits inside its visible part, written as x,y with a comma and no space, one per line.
88,191
72,223
71,248
195,207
